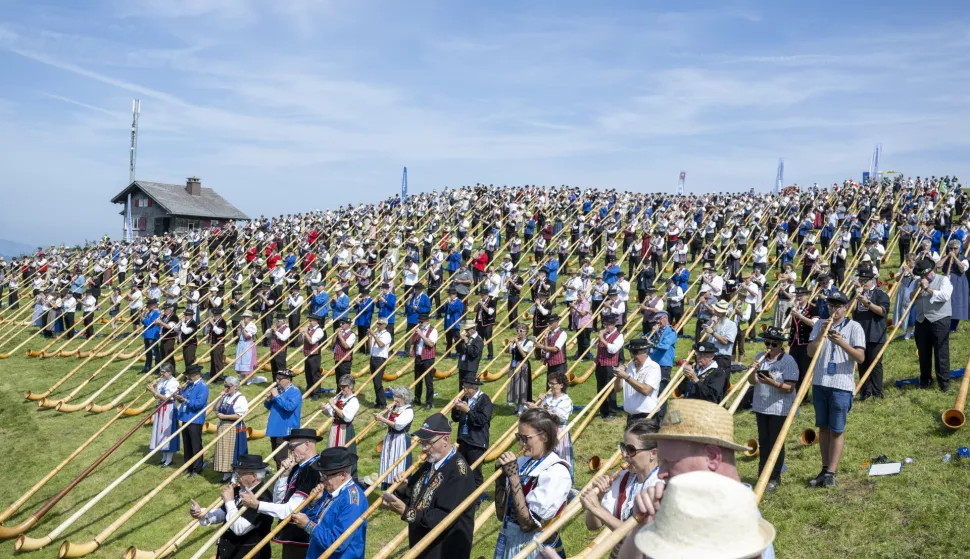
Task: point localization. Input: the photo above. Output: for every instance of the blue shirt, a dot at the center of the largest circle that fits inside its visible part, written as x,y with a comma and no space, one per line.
77,286
197,396
289,262
682,279
319,303
454,261
152,330
552,269
417,305
340,306
385,308
284,412
333,515
611,275
663,352
453,312
364,312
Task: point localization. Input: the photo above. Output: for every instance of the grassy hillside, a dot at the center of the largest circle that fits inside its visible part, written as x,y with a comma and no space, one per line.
918,513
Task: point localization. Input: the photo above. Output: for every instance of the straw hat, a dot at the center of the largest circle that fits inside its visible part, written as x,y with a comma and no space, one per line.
722,307
722,515
697,421
468,325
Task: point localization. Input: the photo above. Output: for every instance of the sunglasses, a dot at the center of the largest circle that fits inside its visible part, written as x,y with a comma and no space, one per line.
772,344
293,446
524,439
630,450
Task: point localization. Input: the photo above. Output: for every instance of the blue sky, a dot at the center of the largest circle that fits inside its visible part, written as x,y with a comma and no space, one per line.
293,105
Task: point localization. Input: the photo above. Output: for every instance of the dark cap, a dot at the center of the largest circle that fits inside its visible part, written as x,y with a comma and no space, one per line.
434,426
283,373
705,347
472,380
776,334
424,317
315,317
216,310
837,298
193,370
923,267
637,345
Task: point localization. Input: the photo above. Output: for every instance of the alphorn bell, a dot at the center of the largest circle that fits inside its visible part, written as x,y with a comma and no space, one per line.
808,436
954,417
753,449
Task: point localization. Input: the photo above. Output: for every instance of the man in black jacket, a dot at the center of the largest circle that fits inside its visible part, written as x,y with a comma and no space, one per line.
432,492
705,380
251,527
470,348
473,412
871,309
485,314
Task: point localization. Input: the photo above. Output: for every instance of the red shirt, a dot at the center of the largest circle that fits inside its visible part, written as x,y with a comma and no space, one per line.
480,262
272,260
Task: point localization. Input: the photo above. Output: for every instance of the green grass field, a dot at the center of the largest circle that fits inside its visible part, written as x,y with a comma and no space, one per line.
918,513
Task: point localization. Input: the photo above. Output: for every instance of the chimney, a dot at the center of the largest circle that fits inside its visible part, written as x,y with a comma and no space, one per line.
193,186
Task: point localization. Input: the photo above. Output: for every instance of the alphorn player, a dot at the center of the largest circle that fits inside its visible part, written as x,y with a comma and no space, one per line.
609,499
165,419
296,481
343,409
473,413
774,379
187,330
216,327
704,380
341,503
933,312
285,406
833,381
872,307
609,342
533,488
192,399
312,339
694,436
639,382
443,482
247,530
425,336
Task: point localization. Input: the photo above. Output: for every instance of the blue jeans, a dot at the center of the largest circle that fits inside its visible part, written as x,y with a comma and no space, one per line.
150,353
831,407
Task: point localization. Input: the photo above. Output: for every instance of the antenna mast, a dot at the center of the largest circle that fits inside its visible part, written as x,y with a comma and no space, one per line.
135,111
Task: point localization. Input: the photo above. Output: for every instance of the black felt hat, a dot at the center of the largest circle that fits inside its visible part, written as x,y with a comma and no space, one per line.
334,459
250,462
303,434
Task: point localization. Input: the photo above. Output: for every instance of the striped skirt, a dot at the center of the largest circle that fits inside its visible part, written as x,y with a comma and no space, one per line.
341,434
520,389
395,444
229,447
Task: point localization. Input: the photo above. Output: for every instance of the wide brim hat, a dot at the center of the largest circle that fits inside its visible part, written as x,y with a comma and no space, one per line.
247,314
335,458
866,273
474,381
434,426
303,434
636,345
723,516
250,462
468,324
315,317
424,317
722,307
923,267
151,302
697,421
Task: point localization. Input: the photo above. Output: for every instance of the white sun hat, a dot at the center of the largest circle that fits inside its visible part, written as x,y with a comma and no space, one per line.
708,515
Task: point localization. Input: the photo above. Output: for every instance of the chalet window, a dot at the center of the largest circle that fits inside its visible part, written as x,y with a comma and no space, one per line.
143,202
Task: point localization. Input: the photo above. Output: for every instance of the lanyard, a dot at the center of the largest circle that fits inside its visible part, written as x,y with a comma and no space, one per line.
432,469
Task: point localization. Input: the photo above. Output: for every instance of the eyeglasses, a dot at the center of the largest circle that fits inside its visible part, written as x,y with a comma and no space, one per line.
426,444
630,450
524,439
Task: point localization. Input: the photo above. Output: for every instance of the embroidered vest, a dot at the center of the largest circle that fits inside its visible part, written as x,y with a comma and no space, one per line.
557,357
605,358
427,351
309,348
339,353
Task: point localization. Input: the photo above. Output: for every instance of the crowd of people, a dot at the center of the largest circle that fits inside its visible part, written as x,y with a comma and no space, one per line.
340,282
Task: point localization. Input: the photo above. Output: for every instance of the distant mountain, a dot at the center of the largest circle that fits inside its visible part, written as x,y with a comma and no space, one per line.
9,249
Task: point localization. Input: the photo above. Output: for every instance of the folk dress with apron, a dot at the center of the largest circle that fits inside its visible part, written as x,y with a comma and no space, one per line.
165,421
230,446
511,538
520,389
342,430
562,408
396,442
246,350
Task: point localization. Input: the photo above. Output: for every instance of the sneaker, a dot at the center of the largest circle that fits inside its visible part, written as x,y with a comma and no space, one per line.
828,481
772,485
817,481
